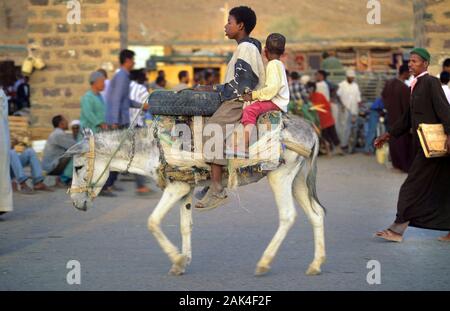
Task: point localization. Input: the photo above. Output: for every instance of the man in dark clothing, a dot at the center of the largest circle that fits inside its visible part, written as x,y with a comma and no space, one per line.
23,94
395,97
424,199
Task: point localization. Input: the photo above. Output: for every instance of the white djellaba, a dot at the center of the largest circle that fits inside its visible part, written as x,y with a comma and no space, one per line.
6,202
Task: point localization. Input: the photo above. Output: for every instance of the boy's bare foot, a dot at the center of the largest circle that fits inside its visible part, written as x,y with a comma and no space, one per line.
445,238
389,235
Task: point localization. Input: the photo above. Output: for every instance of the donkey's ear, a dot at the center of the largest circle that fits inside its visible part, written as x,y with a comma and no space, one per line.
78,148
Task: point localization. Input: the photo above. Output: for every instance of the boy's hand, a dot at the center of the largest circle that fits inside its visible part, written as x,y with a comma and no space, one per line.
247,97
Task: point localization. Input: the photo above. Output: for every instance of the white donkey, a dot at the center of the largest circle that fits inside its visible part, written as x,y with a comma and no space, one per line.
96,155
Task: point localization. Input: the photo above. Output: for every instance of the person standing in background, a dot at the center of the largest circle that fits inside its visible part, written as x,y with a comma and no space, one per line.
183,78
445,78
138,93
396,96
350,97
6,200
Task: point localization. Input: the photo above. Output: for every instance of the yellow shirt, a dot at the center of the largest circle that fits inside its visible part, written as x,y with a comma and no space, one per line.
276,88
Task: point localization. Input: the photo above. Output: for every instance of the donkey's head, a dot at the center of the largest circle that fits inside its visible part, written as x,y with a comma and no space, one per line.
90,172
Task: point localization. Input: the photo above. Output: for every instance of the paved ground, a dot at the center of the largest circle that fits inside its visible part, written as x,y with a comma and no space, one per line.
117,252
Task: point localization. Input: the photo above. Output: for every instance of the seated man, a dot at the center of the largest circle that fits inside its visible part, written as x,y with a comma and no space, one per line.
27,158
57,144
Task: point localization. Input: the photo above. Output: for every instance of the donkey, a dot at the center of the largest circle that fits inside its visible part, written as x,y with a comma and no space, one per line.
95,156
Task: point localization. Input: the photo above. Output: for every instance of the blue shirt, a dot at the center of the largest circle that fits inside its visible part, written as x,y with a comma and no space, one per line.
377,104
118,99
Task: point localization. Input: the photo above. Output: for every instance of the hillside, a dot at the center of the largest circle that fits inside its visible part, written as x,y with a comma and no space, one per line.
159,21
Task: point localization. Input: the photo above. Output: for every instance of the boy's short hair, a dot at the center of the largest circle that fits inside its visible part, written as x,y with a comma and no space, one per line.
446,63
323,73
275,43
311,86
182,74
403,68
445,77
295,75
124,55
56,120
244,14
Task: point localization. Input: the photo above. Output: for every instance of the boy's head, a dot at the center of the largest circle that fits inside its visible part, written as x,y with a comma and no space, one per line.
275,44
295,75
241,22
311,87
446,65
321,75
126,59
445,77
183,76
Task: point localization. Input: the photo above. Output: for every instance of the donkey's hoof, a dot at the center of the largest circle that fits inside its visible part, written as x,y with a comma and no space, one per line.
176,270
261,270
179,265
312,270
188,260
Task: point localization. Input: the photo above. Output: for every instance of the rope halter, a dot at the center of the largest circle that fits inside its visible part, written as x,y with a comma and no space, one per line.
88,187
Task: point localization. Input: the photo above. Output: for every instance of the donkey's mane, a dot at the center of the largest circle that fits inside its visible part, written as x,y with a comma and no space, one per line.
108,141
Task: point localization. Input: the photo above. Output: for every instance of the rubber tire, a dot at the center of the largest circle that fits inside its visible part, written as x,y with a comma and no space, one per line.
184,103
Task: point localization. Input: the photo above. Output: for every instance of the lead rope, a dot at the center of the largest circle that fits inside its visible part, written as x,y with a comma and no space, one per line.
130,129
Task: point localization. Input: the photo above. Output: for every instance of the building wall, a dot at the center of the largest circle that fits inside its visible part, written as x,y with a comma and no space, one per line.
71,52
432,30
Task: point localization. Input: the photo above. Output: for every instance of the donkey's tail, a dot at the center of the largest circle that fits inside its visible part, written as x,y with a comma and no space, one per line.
311,177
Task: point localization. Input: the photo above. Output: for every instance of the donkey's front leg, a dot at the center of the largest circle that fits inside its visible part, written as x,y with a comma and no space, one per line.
173,193
281,182
186,226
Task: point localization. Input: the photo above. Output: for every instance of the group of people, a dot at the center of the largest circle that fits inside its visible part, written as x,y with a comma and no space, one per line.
18,94
332,108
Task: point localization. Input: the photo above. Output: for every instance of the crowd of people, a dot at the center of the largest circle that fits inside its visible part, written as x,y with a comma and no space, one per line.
18,95
332,109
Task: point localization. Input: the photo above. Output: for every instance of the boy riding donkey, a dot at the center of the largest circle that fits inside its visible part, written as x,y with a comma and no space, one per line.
245,72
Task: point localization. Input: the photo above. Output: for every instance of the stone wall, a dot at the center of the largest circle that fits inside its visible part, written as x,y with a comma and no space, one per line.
71,52
432,30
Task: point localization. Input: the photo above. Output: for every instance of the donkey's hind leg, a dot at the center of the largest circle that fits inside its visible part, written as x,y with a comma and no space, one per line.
186,226
173,193
316,215
281,182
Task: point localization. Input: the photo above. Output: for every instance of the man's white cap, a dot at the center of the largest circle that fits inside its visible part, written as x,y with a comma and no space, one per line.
305,79
350,73
75,122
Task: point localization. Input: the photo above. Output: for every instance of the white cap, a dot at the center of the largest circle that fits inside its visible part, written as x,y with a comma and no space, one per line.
305,79
75,122
350,73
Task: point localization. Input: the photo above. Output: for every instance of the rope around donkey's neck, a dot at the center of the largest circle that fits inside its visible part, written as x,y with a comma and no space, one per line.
122,140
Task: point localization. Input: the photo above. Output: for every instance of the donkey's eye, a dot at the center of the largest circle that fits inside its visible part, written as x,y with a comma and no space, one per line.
77,168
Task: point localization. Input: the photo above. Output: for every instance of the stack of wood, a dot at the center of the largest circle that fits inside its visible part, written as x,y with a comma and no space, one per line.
20,133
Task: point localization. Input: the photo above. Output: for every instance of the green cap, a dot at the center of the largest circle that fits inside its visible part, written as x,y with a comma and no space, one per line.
422,53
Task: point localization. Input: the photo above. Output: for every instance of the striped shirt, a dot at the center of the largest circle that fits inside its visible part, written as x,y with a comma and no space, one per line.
138,93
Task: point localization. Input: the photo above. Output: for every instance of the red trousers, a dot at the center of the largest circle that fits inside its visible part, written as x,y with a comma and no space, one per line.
252,112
